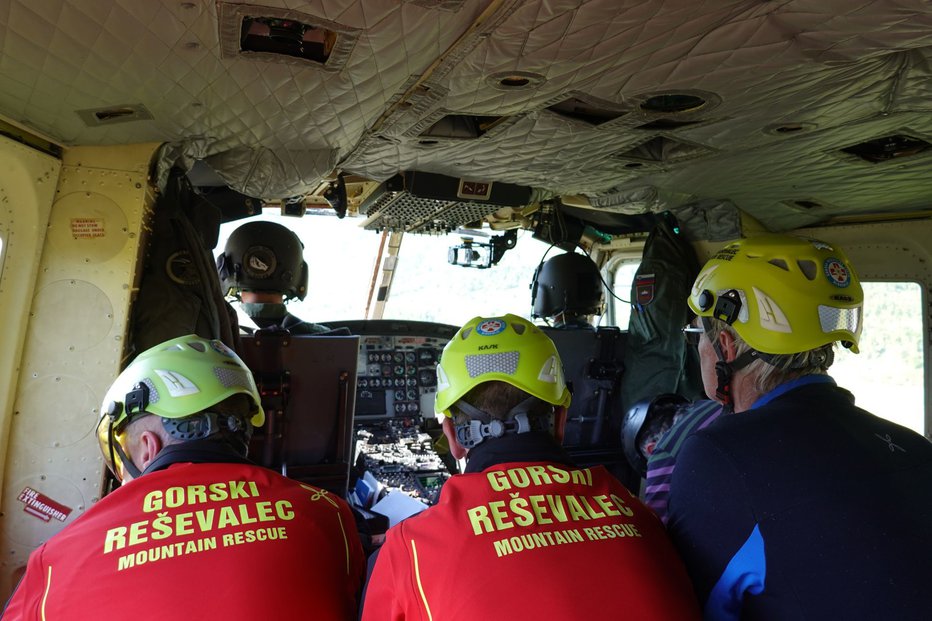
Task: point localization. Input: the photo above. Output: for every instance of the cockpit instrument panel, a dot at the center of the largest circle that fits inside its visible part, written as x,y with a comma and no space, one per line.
396,376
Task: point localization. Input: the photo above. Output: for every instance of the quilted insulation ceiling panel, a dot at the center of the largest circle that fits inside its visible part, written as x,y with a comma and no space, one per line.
629,105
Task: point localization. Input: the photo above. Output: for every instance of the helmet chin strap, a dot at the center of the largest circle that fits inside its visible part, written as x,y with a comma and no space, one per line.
725,370
115,447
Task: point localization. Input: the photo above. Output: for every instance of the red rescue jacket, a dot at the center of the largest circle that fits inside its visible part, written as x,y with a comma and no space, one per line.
199,541
530,540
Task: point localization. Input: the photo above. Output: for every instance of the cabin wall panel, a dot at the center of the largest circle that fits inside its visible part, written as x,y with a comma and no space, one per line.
74,342
27,189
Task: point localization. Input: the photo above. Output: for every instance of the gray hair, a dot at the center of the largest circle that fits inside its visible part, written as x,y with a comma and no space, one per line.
774,369
497,398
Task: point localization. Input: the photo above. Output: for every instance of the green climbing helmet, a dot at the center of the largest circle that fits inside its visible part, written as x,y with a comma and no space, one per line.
173,380
508,349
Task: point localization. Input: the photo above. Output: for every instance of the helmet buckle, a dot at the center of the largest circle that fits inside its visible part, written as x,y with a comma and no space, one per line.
728,306
136,400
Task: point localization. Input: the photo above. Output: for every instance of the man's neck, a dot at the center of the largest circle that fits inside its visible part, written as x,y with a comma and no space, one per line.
744,391
261,297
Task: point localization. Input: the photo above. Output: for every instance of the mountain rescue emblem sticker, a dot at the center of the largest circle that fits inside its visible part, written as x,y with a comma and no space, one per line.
491,327
836,272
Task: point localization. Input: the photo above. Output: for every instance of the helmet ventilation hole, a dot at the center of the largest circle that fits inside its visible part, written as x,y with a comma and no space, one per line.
519,328
808,268
780,263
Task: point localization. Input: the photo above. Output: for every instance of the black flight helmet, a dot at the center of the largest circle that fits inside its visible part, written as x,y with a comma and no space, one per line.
266,257
567,283
645,424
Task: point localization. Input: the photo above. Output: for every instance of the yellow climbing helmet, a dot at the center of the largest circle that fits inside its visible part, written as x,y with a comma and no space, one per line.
782,294
508,349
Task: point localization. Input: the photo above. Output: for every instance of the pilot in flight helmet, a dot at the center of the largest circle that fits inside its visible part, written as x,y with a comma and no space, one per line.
568,283
263,256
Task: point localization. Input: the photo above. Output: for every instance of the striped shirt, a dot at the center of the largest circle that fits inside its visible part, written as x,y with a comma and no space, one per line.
662,461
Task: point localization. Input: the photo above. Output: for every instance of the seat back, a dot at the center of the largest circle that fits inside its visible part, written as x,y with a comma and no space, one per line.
308,389
593,365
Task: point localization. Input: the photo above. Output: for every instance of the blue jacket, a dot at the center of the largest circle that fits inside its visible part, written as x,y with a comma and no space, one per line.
806,507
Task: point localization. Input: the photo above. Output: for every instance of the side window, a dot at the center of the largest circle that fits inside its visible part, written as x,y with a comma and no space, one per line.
622,277
887,377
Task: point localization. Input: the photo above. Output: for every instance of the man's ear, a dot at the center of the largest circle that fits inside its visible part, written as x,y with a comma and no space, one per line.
559,422
150,444
727,342
449,430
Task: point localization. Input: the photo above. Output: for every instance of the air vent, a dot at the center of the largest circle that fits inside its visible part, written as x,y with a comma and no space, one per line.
586,111
673,103
288,37
515,80
460,126
888,148
789,129
283,36
111,115
806,205
663,150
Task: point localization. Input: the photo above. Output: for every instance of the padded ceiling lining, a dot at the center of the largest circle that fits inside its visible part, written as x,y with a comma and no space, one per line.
843,72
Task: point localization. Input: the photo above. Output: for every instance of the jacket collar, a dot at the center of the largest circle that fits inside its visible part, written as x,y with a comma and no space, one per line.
523,447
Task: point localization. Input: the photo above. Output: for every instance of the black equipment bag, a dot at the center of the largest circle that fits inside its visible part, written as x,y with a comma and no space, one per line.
179,290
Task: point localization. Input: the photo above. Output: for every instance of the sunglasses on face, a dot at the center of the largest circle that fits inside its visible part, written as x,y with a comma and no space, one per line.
692,334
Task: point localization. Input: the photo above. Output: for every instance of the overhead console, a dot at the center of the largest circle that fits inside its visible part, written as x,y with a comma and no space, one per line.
421,202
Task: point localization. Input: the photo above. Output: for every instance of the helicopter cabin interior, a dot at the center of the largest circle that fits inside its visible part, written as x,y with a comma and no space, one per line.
135,135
